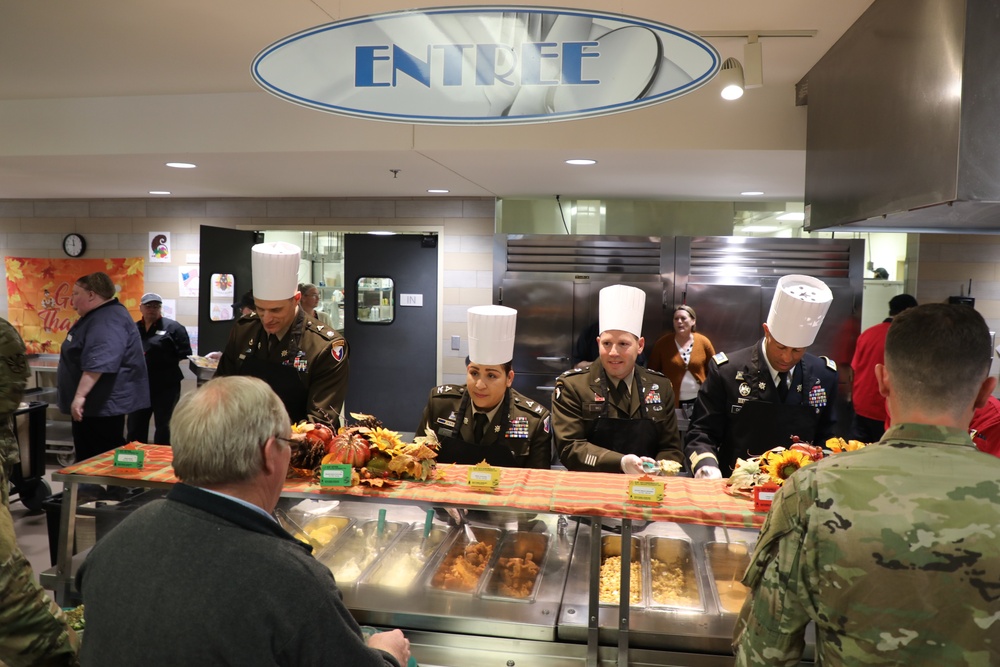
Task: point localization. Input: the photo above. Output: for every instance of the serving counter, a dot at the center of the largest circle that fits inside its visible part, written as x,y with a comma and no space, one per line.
558,526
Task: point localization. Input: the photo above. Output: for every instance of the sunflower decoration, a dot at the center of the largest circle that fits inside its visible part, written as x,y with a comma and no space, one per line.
838,445
781,464
385,440
380,457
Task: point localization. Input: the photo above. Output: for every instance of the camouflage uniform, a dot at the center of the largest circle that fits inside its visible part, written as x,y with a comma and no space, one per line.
33,630
13,377
893,551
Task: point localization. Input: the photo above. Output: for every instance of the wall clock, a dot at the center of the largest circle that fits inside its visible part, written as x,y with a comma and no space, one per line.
74,245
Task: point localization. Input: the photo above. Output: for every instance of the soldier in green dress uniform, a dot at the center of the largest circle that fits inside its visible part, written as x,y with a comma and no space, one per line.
485,418
304,361
613,416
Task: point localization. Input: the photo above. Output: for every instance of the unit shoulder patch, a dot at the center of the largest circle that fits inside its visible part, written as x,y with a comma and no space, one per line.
830,363
720,358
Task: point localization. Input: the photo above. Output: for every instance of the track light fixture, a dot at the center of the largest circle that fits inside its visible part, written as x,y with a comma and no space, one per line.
731,79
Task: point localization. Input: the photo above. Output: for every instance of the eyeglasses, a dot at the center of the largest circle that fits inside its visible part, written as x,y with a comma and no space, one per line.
294,444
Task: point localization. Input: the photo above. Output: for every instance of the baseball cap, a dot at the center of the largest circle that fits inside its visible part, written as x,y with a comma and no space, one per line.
150,297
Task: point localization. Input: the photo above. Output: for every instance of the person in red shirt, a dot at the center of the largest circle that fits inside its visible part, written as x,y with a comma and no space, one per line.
870,416
985,427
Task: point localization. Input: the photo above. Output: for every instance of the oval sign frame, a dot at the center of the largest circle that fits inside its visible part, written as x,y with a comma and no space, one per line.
485,65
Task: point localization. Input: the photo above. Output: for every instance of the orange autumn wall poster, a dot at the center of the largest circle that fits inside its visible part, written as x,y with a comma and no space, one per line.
39,290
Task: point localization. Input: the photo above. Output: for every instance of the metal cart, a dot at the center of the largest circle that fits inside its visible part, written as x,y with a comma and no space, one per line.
28,477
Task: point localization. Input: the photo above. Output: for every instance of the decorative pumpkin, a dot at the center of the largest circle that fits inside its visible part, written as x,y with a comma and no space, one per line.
319,434
350,448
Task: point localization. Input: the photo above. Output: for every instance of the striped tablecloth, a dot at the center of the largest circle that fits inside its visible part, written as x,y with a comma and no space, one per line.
576,493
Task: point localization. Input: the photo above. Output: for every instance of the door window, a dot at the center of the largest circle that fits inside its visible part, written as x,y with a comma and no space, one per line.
376,300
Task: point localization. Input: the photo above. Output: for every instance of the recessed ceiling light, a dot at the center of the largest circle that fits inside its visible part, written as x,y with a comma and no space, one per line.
800,217
181,165
581,162
752,193
382,232
159,192
438,192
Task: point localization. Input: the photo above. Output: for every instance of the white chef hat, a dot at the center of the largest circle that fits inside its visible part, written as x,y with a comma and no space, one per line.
275,271
798,309
621,309
491,334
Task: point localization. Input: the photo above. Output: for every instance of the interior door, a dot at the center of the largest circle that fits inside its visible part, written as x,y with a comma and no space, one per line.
390,322
223,252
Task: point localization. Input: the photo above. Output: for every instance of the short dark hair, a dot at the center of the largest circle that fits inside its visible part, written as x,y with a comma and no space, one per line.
899,303
924,341
99,283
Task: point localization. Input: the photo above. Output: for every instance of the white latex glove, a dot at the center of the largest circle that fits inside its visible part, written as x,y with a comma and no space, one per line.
632,464
708,472
214,356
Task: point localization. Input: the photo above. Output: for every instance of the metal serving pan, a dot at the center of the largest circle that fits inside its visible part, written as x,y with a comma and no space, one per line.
673,575
727,561
325,529
401,565
611,548
454,572
517,570
349,555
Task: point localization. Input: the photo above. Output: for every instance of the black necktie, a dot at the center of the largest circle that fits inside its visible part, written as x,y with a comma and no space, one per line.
621,396
783,385
272,346
480,420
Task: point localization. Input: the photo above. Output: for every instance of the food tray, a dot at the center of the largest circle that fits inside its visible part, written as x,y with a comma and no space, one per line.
515,546
409,551
202,367
325,529
464,580
611,546
727,561
673,575
349,555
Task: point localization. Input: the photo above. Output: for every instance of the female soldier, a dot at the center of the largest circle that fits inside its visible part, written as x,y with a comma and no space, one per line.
485,418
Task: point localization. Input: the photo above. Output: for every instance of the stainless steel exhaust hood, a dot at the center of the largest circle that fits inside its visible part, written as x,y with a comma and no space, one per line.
904,121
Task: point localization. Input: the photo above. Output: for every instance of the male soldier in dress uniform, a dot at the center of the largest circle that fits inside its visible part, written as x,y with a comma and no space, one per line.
755,399
304,361
613,416
13,378
485,418
892,550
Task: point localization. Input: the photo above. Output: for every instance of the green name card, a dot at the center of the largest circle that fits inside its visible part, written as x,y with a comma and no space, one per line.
335,474
129,458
